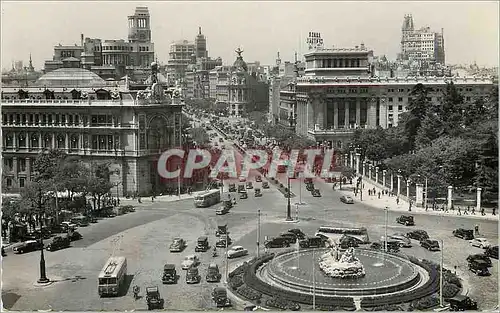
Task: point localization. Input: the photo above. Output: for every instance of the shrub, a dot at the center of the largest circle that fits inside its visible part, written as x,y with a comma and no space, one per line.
450,290
425,303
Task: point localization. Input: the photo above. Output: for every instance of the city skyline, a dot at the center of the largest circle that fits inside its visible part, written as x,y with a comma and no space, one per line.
471,25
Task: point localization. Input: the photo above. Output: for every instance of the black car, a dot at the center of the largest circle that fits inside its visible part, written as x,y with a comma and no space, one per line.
249,185
241,188
193,275
479,267
74,235
297,232
3,252
258,178
483,257
277,242
312,242
232,187
169,274
492,252
265,185
243,195
202,244
392,246
292,238
461,303
418,235
153,298
466,234
429,244
58,243
213,273
406,220
219,295
316,193
258,193
28,246
310,187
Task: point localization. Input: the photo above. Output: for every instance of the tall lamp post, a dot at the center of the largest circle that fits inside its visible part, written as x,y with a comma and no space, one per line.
288,206
43,275
441,303
258,233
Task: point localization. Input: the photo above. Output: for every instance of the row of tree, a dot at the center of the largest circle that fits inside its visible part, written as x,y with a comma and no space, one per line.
452,142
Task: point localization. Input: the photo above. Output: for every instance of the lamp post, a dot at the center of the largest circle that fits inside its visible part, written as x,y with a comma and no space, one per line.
43,275
288,206
179,183
258,233
441,303
385,236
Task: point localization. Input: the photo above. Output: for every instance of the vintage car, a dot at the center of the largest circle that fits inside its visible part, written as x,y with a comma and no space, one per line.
241,188
202,244
232,187
461,303
222,210
243,195
236,251
402,240
249,185
224,240
312,242
265,185
429,244
479,267
190,261
347,200
74,235
482,243
483,257
193,275
392,246
277,242
213,274
27,246
219,295
417,234
3,252
221,230
258,193
316,193
297,232
466,234
290,237
310,187
153,298
178,244
406,220
349,242
492,252
59,242
258,178
169,274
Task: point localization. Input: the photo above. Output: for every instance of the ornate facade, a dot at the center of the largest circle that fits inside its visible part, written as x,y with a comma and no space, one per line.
85,116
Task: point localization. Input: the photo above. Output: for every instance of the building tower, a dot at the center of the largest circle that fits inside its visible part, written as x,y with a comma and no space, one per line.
30,67
200,43
139,28
406,31
278,59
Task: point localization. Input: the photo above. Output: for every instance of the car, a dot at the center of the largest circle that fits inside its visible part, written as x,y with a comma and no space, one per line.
492,252
483,257
236,251
316,193
265,185
298,233
312,242
193,275
58,243
401,239
290,237
467,234
310,187
406,220
221,230
223,241
249,185
392,246
232,187
27,246
277,242
74,235
153,298
243,195
347,200
429,244
69,225
178,244
241,188
213,273
222,210
219,295
258,178
479,267
258,193
482,243
190,260
417,234
349,242
461,303
202,244
169,274
3,252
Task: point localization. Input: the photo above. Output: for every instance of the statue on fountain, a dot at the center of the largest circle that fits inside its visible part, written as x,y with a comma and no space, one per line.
337,266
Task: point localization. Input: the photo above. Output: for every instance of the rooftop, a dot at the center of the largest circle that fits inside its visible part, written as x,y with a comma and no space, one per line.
70,77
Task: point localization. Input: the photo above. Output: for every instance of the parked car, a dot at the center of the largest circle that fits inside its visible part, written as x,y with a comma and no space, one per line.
232,187
429,244
178,244
461,303
222,210
3,252
316,193
277,242
249,185
347,200
480,242
242,179
221,230
74,235
492,252
58,243
265,185
236,251
312,242
406,220
219,295
243,195
479,267
258,178
153,298
392,246
27,246
401,240
213,273
202,244
169,274
417,235
298,233
484,257
310,187
467,234
223,241
193,275
258,193
190,260
290,237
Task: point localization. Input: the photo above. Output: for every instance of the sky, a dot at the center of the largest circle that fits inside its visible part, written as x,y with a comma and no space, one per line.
261,29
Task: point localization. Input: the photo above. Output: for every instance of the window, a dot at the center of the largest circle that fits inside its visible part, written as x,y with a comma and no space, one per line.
401,90
353,90
22,165
363,90
400,99
8,164
49,118
60,142
35,141
31,119
390,99
77,120
21,139
70,119
47,141
63,119
9,182
400,108
23,119
74,142
4,119
390,108
22,182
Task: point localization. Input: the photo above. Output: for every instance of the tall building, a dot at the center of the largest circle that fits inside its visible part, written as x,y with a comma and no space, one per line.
182,53
200,43
76,111
422,45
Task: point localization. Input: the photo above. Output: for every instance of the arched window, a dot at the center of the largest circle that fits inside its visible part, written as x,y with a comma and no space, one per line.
21,140
60,142
74,142
47,141
102,94
9,141
35,141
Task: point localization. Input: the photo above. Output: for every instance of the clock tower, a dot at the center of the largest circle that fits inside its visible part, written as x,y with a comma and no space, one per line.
139,28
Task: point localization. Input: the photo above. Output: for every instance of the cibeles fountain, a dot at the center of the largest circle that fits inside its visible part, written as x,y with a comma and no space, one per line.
335,265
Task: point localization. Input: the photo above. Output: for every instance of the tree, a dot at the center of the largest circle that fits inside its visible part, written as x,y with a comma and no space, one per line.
430,129
451,111
418,107
98,183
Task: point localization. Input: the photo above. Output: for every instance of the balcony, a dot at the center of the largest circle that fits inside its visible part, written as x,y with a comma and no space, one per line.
335,131
65,103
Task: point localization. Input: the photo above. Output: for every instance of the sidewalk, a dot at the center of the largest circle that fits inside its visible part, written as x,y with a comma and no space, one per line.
162,199
390,202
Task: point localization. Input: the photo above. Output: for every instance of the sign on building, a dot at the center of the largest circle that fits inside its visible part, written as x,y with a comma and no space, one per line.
314,41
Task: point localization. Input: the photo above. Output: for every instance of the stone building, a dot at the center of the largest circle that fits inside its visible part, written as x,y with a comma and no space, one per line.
422,45
76,111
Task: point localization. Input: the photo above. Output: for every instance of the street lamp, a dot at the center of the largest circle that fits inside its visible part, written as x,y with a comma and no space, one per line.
258,233
441,303
288,206
43,275
385,236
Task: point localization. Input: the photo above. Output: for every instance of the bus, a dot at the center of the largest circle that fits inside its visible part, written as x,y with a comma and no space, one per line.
112,276
207,198
336,233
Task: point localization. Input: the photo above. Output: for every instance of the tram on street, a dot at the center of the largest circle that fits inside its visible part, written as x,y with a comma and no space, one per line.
335,233
112,276
207,198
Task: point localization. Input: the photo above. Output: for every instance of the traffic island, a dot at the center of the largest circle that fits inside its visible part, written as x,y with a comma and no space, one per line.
281,188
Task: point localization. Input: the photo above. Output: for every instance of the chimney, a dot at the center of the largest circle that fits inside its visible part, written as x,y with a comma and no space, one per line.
81,40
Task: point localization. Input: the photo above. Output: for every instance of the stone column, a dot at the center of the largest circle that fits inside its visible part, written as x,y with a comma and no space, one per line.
392,182
376,174
351,159
419,201
370,166
14,140
346,160
66,142
335,114
450,196
364,168
384,172
399,185
346,113
358,157
408,190
478,199
15,168
53,140
358,111
28,169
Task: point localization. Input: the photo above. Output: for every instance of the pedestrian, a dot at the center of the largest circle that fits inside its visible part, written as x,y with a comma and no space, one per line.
476,229
473,211
397,201
482,212
466,212
152,199
459,211
493,212
379,194
374,190
411,203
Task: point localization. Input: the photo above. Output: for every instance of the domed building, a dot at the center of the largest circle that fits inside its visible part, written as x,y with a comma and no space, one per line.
70,77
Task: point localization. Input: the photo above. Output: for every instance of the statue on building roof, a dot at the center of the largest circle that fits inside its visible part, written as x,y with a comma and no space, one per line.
239,52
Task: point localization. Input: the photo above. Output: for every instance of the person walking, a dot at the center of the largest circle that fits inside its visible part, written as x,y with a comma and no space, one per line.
476,229
397,201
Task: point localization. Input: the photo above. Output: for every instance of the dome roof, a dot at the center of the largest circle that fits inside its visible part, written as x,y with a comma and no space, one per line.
70,77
